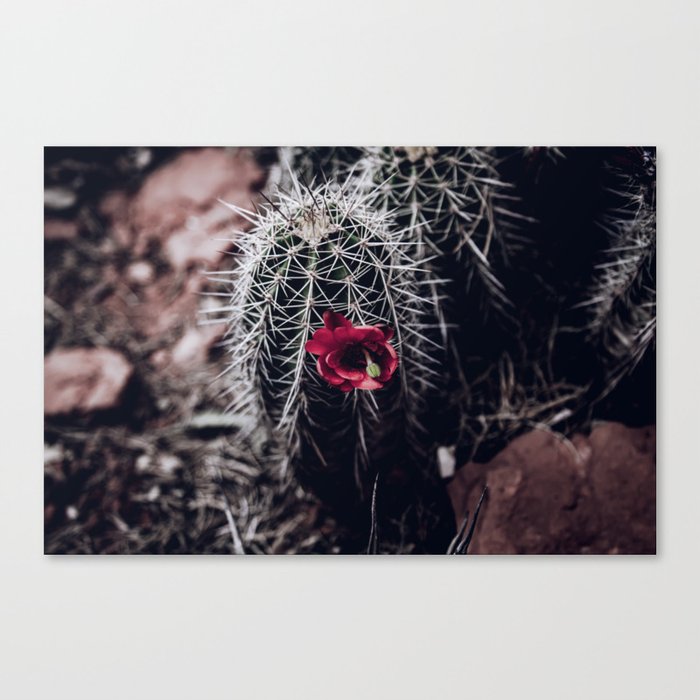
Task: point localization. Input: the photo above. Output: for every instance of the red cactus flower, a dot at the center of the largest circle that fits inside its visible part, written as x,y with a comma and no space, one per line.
353,357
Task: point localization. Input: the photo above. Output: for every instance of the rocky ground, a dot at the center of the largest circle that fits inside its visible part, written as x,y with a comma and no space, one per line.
140,454
593,494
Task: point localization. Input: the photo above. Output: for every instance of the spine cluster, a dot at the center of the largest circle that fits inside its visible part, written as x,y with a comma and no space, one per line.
621,299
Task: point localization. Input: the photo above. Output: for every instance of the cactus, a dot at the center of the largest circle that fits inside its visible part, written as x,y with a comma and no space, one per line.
312,250
324,163
621,300
516,306
507,286
445,198
448,198
583,290
316,165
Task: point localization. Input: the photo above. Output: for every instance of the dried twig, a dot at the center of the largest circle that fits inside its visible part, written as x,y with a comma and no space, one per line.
373,543
460,544
237,542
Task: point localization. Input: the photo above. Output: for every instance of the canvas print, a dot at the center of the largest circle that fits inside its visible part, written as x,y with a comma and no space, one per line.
350,350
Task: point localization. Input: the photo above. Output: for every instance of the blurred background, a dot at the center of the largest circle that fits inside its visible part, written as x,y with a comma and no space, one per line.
140,454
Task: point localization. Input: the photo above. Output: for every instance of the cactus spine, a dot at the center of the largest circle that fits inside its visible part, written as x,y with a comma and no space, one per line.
622,297
448,198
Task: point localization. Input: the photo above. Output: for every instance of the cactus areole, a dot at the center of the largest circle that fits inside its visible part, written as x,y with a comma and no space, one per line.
353,357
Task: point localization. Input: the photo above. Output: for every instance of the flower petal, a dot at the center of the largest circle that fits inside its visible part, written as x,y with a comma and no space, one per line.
316,347
321,343
353,375
333,320
357,334
368,383
341,336
346,387
335,360
370,333
388,332
327,372
388,361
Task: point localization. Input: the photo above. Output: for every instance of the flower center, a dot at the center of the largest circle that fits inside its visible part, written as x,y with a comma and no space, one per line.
352,357
358,357
373,369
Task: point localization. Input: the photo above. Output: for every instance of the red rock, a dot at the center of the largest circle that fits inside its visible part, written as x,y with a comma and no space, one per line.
60,230
190,183
193,348
160,359
115,207
178,208
545,497
203,239
140,272
175,218
82,380
180,200
623,479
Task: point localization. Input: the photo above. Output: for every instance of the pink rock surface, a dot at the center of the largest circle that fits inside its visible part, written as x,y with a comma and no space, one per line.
83,380
194,346
140,272
545,497
191,350
60,230
115,206
191,182
178,204
173,228
203,239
